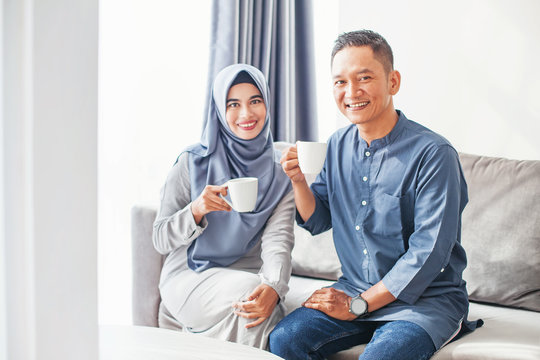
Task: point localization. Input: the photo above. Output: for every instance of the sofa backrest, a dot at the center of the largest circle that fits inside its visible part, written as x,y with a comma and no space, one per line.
501,231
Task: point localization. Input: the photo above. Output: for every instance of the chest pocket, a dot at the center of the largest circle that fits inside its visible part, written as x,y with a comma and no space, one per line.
387,217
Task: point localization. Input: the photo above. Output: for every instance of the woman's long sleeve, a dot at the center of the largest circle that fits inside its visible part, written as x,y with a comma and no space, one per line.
174,225
276,245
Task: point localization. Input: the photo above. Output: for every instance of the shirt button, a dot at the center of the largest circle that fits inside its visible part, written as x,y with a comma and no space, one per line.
364,202
364,178
442,270
357,227
365,252
368,153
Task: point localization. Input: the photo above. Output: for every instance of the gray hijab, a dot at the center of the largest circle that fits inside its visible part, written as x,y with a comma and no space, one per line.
221,156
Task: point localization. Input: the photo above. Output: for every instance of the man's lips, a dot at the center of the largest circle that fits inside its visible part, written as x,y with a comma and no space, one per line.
247,125
357,105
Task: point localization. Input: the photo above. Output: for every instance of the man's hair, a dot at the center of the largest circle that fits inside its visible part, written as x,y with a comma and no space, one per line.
381,50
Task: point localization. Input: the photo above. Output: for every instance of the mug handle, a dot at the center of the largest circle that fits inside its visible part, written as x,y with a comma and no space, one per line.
227,201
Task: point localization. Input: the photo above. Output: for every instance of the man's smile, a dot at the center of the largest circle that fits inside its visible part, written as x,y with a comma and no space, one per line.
357,106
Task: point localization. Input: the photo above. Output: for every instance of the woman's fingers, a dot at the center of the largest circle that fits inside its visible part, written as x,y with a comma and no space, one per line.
255,323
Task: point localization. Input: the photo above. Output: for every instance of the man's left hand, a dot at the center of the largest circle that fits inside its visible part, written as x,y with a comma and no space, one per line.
332,302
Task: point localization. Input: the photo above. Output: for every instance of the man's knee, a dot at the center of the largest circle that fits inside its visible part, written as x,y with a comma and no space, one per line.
287,338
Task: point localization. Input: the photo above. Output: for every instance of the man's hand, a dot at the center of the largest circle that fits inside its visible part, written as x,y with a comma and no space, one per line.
259,305
209,201
289,163
332,302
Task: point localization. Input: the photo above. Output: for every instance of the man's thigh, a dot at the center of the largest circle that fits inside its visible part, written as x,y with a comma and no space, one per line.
399,340
311,334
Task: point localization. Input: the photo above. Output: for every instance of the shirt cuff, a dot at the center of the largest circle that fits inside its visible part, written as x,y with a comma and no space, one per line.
320,220
280,287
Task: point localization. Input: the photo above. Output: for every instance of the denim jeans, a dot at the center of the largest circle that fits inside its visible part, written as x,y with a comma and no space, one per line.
311,334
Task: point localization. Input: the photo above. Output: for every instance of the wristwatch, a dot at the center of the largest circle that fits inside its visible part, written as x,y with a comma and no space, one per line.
358,307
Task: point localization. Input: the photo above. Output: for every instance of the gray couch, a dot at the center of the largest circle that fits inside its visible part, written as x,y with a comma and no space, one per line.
501,234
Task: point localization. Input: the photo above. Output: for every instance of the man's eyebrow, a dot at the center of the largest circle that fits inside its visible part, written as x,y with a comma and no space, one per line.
359,72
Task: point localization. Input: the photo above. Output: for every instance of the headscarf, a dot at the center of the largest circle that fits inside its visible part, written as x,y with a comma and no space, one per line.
221,156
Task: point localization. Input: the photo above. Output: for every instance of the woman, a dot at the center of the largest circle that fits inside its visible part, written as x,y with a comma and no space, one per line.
226,272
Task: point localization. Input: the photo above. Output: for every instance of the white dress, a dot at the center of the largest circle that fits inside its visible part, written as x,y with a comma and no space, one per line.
202,302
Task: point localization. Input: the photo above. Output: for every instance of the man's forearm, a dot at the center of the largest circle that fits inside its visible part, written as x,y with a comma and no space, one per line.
377,296
304,199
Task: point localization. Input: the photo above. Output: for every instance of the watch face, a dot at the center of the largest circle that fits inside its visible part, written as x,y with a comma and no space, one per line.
358,306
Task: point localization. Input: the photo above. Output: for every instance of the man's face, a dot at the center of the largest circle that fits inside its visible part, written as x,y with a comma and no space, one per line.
362,88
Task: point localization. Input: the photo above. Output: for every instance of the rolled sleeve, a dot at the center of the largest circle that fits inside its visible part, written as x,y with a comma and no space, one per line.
440,198
321,219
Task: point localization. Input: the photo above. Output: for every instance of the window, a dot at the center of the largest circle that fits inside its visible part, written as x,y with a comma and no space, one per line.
152,86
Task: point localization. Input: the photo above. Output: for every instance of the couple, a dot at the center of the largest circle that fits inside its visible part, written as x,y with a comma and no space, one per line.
391,190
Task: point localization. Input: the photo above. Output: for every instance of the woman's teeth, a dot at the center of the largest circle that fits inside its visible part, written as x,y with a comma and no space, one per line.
247,125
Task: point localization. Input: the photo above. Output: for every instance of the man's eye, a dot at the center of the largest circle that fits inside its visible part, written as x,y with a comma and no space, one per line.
363,78
339,82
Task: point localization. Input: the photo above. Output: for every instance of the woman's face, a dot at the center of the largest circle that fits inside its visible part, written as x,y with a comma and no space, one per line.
246,111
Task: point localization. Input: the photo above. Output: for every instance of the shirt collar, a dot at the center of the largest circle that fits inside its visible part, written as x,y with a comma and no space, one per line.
392,135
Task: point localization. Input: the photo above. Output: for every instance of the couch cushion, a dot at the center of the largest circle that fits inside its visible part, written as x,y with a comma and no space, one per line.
501,231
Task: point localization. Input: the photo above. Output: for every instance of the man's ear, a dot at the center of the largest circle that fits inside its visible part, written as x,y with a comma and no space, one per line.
394,79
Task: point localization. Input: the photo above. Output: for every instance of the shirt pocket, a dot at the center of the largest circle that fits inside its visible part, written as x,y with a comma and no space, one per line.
387,219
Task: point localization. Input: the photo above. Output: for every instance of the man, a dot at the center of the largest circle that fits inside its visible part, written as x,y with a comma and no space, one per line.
393,192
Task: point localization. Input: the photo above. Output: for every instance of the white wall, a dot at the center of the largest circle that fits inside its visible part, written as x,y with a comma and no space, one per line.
49,178
3,308
469,68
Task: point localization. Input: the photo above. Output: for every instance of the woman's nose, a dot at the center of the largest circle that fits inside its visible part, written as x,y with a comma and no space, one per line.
244,111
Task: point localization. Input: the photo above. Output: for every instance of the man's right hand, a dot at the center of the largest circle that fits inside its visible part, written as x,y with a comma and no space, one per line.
209,201
289,163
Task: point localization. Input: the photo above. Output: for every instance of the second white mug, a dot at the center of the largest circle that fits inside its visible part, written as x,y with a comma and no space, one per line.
311,156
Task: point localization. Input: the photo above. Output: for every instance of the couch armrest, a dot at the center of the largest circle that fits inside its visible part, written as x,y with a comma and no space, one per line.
146,266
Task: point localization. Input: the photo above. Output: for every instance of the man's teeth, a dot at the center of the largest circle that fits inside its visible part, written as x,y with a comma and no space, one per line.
247,125
359,104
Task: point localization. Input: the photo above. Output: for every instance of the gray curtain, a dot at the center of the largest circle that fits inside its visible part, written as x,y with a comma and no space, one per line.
275,36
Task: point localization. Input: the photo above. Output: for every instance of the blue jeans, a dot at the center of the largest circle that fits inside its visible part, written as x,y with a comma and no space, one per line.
311,334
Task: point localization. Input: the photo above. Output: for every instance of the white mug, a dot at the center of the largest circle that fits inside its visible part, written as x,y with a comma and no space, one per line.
311,156
243,193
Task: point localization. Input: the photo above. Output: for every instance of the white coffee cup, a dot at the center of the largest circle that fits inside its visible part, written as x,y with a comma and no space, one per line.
311,156
243,193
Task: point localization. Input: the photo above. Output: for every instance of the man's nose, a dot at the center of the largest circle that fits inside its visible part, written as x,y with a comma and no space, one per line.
352,89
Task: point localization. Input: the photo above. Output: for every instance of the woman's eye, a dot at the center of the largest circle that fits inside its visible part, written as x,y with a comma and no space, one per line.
256,101
232,105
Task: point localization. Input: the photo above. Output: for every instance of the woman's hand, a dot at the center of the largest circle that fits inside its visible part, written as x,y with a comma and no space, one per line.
289,163
209,201
259,305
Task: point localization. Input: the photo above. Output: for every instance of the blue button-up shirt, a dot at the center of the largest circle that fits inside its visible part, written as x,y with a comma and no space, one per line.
395,210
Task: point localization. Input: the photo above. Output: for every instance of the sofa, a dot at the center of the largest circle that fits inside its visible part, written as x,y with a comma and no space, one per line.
500,232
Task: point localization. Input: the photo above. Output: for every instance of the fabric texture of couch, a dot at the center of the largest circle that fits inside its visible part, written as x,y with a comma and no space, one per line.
500,232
